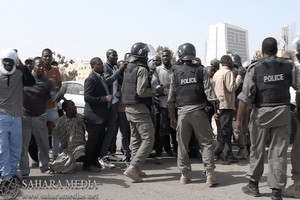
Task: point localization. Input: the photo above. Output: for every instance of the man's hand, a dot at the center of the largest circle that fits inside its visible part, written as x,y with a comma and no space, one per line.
109,97
238,126
122,68
173,122
60,94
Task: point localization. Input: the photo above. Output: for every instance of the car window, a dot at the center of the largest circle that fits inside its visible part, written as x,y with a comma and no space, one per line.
77,89
69,88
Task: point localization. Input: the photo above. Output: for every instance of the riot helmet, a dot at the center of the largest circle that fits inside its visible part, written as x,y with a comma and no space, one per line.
139,50
296,43
298,46
187,51
215,63
236,59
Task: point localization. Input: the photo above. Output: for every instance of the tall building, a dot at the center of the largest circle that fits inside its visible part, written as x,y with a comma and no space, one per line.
225,38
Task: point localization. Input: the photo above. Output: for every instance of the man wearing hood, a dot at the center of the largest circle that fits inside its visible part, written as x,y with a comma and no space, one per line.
12,80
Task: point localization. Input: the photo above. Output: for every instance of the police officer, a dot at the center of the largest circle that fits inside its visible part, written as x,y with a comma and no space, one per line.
187,91
266,86
136,95
294,189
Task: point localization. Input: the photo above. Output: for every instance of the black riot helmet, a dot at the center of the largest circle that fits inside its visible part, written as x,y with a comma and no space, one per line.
236,59
296,42
187,51
139,50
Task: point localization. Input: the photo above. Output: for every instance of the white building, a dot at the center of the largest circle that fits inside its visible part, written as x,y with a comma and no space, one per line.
225,38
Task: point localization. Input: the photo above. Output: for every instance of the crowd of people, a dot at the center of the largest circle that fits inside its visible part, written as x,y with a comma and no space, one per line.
159,106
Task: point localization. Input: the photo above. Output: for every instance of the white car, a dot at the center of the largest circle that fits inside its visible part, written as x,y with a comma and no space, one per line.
75,92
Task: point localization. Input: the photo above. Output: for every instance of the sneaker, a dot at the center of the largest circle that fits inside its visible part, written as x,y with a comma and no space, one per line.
251,189
184,179
292,191
44,169
35,164
133,173
104,162
113,157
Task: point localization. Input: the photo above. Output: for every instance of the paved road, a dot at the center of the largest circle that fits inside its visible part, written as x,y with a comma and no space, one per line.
162,182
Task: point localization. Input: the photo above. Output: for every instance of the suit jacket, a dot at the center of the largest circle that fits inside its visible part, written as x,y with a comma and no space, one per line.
110,75
95,109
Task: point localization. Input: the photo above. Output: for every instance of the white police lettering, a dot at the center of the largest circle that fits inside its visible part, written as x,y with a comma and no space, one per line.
188,80
273,78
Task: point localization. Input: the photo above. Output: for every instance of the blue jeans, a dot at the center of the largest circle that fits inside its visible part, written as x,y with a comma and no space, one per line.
10,145
52,116
36,126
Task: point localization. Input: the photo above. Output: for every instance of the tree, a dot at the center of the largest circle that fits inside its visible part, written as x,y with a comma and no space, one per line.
70,76
160,50
63,64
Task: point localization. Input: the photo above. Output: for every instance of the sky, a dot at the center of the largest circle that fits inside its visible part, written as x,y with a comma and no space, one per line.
83,29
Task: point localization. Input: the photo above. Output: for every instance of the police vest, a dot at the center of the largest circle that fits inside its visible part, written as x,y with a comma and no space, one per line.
189,85
129,85
273,78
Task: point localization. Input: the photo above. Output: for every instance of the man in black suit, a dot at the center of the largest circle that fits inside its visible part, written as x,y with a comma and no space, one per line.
97,107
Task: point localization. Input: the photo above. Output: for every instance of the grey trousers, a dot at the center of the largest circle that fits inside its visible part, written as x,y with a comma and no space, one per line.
277,154
295,155
36,126
142,137
198,123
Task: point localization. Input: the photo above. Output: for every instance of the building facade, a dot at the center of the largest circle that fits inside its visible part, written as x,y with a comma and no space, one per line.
225,38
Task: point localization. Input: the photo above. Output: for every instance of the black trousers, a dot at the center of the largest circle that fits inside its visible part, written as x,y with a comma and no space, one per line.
96,134
225,133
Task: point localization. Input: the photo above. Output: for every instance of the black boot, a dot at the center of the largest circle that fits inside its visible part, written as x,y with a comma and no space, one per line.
276,194
251,189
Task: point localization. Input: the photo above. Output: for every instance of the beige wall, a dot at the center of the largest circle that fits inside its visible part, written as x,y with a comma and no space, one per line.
83,70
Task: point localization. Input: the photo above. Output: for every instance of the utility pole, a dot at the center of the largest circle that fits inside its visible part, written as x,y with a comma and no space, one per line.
285,37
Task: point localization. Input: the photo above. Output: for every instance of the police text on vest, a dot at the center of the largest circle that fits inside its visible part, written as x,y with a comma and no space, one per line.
188,80
273,78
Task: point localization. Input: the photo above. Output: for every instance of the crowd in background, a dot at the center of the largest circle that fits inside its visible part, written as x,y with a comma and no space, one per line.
159,107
